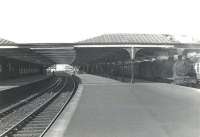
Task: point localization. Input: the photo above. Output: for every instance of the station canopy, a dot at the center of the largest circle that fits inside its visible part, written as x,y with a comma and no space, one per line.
103,47
10,49
125,40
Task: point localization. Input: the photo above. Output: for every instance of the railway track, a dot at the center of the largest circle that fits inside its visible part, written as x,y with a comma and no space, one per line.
15,114
13,107
39,118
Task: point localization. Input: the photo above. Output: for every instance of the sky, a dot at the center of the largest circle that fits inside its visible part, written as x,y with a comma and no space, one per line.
27,21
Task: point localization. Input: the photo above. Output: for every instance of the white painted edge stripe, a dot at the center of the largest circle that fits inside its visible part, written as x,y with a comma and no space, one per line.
73,105
123,46
52,48
60,126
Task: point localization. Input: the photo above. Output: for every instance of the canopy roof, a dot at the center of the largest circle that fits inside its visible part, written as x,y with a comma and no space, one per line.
130,39
65,55
9,49
5,42
89,50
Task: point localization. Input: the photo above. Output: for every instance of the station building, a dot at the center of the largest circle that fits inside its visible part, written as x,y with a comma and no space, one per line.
107,55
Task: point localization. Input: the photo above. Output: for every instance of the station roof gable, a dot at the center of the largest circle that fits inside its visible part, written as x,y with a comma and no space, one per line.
5,42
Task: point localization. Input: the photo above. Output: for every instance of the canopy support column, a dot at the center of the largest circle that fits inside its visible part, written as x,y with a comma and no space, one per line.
132,64
132,51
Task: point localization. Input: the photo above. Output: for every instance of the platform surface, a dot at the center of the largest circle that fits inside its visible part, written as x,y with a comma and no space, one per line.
12,83
108,108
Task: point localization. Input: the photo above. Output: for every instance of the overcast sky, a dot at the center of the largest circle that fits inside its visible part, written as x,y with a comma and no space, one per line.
75,20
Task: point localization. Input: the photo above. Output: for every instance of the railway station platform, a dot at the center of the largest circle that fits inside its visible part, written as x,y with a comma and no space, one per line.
104,107
17,82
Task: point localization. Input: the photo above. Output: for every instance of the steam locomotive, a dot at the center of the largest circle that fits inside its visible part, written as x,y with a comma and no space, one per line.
161,71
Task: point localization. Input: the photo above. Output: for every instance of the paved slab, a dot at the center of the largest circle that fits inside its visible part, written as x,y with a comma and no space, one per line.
7,84
108,108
